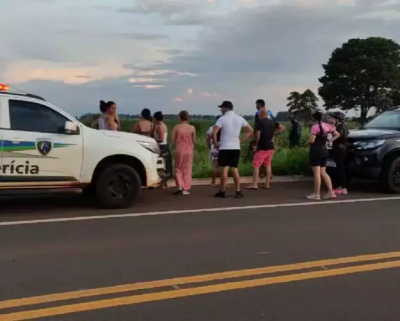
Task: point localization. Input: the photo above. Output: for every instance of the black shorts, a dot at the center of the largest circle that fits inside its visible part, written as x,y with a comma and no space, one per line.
316,161
229,158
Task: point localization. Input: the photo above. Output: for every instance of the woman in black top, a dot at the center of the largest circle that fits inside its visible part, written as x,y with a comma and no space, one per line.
319,154
145,124
338,153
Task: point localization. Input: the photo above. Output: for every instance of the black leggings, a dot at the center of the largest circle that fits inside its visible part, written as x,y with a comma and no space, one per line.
168,158
339,178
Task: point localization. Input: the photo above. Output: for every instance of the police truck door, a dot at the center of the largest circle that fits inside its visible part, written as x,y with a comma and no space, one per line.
36,149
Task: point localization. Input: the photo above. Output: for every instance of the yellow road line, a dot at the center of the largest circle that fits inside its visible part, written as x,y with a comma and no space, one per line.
173,294
191,279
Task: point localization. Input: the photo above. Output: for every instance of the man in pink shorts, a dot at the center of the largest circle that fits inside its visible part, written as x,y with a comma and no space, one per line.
264,147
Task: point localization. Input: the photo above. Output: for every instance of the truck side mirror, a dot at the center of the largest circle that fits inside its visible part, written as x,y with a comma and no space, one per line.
71,128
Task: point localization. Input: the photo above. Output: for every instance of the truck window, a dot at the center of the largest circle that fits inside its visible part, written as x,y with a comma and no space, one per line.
32,117
387,120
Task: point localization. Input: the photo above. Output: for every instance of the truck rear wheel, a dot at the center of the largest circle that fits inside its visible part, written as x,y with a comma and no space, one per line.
390,176
118,186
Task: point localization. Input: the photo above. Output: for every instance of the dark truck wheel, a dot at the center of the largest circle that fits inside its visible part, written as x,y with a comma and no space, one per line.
118,186
390,176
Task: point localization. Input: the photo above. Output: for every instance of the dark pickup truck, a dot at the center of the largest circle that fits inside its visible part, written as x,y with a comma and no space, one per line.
374,151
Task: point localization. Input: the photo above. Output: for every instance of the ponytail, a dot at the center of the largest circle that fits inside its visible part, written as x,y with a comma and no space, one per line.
321,128
103,106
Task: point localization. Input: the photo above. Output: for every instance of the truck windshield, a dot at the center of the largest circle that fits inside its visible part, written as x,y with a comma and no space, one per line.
388,120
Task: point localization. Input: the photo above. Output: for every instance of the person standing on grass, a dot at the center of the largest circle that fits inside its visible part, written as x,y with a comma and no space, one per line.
260,104
230,126
319,155
295,133
213,152
184,136
338,153
264,147
161,136
145,124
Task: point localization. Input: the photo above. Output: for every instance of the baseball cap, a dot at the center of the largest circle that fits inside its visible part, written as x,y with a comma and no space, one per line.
226,104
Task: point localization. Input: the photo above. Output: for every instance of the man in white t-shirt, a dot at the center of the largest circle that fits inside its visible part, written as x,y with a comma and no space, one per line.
230,126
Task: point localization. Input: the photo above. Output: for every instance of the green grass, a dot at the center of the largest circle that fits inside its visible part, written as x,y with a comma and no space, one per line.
286,161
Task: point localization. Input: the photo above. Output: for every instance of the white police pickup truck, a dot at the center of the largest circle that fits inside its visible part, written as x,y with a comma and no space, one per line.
42,147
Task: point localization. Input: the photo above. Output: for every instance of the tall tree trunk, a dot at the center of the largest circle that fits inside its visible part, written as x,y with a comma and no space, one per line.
364,114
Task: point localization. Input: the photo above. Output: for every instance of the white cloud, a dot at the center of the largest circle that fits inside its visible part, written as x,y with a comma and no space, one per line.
146,80
31,70
209,94
149,86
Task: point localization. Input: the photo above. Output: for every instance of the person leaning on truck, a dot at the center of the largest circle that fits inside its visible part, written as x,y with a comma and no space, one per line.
160,134
338,153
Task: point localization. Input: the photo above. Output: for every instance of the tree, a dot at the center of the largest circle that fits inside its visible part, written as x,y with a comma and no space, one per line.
302,105
294,103
361,75
395,95
384,100
309,103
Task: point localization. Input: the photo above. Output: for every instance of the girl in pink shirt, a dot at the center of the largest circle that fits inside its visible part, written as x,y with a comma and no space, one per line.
318,141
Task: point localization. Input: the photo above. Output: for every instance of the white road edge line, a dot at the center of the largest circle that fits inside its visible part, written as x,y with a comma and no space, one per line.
200,210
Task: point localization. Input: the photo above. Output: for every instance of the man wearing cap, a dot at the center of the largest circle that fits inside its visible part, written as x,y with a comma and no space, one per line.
230,126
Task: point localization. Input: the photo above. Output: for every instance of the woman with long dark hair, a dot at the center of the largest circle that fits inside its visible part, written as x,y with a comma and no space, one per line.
145,124
161,136
319,155
108,119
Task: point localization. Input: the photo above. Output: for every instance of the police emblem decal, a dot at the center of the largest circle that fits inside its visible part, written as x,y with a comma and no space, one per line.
44,147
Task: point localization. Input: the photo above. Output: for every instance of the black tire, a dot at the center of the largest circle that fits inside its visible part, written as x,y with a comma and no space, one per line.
390,176
118,186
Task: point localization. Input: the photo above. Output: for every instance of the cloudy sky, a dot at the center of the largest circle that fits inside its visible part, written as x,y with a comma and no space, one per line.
171,55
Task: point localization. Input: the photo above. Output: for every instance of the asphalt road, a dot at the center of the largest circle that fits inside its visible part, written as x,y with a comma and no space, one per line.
62,259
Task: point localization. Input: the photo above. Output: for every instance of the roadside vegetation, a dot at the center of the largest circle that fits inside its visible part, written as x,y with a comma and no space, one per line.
362,76
286,161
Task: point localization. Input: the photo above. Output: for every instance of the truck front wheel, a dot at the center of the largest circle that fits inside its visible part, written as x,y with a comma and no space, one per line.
118,186
390,176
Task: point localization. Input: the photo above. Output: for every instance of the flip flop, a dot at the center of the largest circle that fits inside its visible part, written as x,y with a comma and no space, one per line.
252,187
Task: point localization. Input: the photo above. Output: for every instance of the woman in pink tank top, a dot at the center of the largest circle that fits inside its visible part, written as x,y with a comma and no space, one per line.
184,136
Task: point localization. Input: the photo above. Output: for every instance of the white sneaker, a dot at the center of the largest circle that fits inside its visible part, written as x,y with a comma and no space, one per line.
314,197
185,193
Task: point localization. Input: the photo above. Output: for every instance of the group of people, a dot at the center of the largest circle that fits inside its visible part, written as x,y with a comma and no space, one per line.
327,141
183,135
